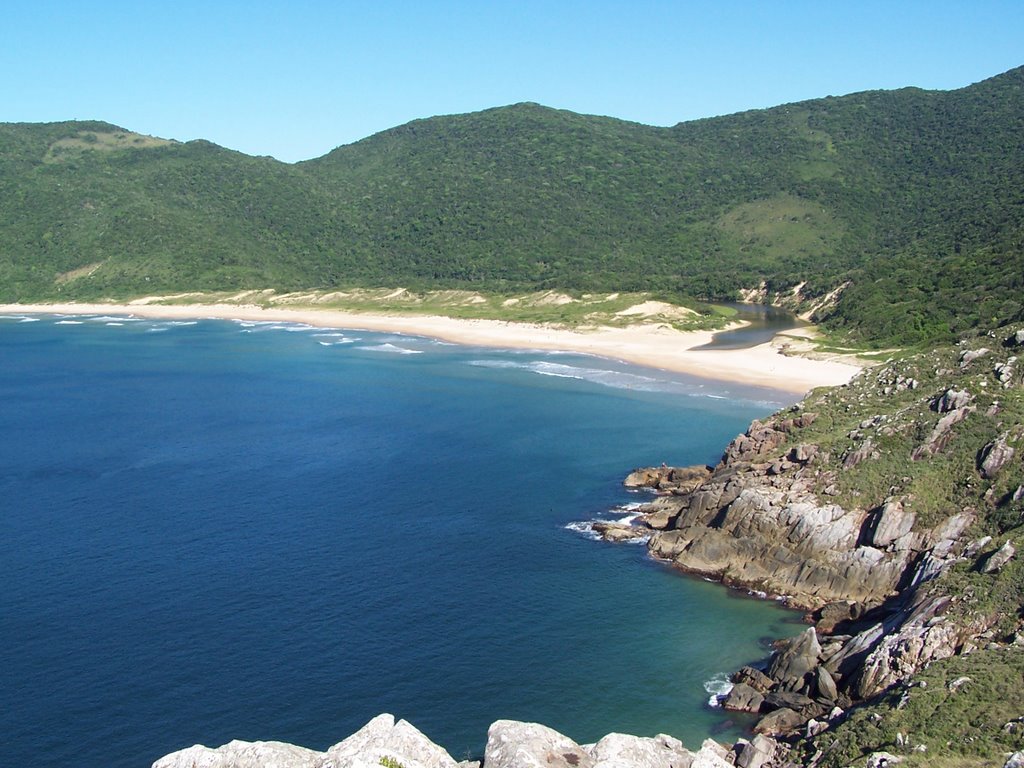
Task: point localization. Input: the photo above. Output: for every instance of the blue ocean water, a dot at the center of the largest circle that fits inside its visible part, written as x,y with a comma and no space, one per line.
220,530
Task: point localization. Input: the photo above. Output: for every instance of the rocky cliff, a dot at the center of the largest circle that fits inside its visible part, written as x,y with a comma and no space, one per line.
889,509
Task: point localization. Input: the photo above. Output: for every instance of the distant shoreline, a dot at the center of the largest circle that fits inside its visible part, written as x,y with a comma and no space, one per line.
650,345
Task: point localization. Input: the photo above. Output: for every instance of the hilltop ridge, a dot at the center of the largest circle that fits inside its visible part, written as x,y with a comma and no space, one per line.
859,209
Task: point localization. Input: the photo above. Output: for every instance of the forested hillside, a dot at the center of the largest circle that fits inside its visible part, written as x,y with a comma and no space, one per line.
912,201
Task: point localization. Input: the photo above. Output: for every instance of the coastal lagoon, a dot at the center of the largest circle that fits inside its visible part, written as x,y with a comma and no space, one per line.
221,529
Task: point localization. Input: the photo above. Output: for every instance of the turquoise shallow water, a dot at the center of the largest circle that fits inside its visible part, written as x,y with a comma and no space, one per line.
230,530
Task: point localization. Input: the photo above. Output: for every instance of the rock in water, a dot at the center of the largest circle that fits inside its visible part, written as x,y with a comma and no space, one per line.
512,744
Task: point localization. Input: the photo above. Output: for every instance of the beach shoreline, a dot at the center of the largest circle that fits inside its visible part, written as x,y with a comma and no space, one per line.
649,345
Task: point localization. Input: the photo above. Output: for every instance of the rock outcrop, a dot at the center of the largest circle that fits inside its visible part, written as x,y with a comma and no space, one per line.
510,744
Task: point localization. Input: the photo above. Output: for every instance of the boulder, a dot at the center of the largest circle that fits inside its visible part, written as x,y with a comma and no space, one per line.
951,399
882,760
645,477
242,754
825,684
1016,760
994,456
754,678
999,558
795,660
757,752
891,523
969,356
941,433
862,453
798,702
619,531
381,738
514,744
835,613
743,698
618,750
711,755
779,723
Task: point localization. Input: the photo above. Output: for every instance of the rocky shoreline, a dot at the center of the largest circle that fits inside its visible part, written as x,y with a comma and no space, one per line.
832,506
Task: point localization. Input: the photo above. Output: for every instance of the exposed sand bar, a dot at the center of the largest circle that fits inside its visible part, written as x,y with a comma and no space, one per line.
656,346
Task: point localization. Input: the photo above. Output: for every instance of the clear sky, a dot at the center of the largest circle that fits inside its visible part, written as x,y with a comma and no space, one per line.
296,79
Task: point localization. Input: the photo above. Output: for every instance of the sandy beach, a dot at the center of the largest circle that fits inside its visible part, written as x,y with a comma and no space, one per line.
656,346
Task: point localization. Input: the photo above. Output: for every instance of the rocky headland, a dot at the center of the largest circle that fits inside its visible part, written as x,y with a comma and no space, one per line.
890,510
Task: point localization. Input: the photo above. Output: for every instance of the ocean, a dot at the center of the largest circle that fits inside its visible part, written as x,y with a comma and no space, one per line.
216,530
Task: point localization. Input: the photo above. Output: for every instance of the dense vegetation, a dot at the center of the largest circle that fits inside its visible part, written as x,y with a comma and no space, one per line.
913,200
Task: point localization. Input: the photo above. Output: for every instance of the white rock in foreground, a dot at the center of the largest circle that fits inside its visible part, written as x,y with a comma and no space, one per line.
382,737
242,754
618,750
511,744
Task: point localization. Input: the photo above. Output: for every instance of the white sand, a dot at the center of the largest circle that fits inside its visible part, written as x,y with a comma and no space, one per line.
656,346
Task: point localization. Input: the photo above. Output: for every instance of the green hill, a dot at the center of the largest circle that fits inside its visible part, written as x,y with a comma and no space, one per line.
912,201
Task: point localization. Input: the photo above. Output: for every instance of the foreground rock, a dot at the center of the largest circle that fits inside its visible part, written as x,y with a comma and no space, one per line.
379,742
510,744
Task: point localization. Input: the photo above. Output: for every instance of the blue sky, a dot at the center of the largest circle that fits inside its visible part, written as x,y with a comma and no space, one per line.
294,80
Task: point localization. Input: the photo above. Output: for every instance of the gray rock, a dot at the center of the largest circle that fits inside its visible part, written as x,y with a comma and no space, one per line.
755,678
618,750
743,698
825,684
969,356
1016,340
1006,372
242,754
383,737
882,760
995,456
999,558
862,453
796,659
952,399
941,434
757,752
891,523
619,531
1016,760
798,702
803,453
711,755
514,744
779,723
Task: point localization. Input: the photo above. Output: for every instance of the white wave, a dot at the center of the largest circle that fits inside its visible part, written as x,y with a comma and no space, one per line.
584,528
157,329
331,335
114,323
608,377
339,342
182,322
393,349
623,514
29,320
68,322
114,319
718,687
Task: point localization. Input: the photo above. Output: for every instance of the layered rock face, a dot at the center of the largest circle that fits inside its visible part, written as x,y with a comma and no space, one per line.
758,522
